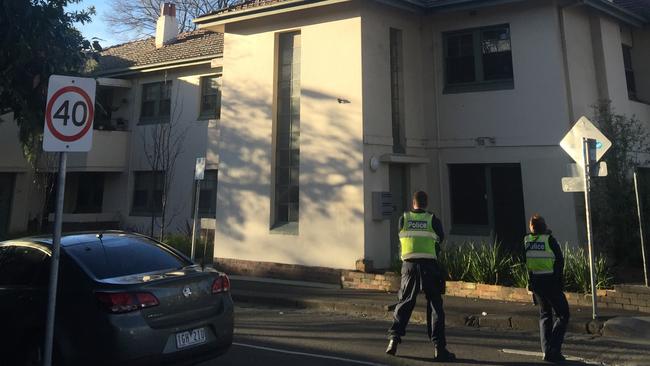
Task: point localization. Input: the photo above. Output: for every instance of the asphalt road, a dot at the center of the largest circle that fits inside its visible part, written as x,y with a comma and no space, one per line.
272,336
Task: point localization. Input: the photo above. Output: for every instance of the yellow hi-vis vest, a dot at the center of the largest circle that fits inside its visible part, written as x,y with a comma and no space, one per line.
417,237
539,256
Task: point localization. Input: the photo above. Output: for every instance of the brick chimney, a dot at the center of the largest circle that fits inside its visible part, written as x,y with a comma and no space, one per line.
166,26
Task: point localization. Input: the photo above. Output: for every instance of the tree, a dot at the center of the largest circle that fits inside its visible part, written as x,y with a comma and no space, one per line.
614,204
138,17
38,39
162,144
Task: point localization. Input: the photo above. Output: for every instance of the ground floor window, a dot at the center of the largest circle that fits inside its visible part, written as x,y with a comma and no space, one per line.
487,200
90,193
208,197
147,193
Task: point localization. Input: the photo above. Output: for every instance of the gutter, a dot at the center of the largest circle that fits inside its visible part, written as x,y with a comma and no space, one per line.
158,66
616,12
219,17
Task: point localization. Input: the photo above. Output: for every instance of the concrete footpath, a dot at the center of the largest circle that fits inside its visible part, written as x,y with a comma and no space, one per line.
459,311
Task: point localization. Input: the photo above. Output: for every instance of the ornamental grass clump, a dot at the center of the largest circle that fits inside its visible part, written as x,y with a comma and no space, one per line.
456,261
576,271
489,264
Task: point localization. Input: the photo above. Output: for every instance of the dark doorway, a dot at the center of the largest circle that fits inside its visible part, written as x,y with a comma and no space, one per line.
398,183
488,200
6,198
508,206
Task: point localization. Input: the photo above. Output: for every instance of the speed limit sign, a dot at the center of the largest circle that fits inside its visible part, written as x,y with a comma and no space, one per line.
69,114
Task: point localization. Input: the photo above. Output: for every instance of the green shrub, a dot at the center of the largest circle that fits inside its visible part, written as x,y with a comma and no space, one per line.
576,271
519,275
489,264
183,244
456,261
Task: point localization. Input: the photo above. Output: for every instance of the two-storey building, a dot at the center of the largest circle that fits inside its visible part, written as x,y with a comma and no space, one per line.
330,104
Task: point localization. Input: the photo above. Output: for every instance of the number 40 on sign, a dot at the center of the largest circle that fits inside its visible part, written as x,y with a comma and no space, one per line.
69,114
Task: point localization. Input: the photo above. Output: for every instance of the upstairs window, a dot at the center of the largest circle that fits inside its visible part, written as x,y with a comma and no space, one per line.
210,97
478,59
629,72
156,102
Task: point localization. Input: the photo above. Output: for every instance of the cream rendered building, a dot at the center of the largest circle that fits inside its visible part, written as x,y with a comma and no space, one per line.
167,81
328,104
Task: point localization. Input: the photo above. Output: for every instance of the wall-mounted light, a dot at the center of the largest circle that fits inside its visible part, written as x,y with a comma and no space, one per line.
374,163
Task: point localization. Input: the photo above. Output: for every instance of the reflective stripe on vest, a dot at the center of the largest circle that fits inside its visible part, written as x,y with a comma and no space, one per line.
417,237
539,255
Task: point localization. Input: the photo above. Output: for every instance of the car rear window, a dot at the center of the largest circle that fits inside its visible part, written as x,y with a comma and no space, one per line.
123,256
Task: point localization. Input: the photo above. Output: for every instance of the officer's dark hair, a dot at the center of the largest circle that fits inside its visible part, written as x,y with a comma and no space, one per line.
539,224
421,198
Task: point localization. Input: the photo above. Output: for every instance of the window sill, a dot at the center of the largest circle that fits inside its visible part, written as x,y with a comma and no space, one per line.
207,118
287,228
144,214
479,87
153,121
639,101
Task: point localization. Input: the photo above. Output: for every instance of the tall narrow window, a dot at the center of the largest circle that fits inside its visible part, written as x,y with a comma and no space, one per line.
396,90
629,72
210,97
287,148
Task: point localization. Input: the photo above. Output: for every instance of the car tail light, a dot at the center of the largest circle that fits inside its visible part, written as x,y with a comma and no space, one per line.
221,284
124,302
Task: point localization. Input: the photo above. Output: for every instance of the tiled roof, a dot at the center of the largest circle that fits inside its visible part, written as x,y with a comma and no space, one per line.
639,7
143,52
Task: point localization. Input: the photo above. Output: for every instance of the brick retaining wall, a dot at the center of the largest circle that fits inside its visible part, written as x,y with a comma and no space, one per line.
625,297
278,270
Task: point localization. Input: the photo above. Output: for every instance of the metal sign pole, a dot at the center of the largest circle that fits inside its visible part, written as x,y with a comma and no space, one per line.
196,215
587,166
54,262
639,211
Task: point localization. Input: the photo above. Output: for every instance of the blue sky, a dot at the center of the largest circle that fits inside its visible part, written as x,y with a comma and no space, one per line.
98,27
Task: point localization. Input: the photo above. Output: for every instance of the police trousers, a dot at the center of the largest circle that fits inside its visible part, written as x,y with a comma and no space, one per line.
425,275
551,301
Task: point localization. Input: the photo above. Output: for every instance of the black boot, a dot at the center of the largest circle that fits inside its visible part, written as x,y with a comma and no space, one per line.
555,357
392,346
443,355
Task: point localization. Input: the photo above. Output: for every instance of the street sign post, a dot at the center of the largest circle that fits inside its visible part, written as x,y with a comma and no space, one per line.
69,114
586,145
199,173
639,210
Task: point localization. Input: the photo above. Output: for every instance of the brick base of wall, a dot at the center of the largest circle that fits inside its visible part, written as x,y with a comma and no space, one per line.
624,297
278,270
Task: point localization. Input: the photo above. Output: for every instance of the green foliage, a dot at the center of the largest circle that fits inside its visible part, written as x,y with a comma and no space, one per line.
183,244
519,275
576,271
614,206
456,261
489,264
38,39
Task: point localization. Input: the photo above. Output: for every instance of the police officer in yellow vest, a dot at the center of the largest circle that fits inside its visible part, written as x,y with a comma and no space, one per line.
545,265
420,237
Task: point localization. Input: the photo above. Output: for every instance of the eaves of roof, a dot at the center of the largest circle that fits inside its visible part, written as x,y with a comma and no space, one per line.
256,7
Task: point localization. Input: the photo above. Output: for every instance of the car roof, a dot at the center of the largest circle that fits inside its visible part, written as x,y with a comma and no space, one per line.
76,238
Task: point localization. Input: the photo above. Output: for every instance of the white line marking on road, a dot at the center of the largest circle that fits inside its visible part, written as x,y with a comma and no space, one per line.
540,355
308,354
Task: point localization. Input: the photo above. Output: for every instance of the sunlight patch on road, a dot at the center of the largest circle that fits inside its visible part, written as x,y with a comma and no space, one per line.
358,362
540,355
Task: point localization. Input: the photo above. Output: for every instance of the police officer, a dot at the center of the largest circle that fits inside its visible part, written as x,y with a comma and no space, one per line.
420,234
545,264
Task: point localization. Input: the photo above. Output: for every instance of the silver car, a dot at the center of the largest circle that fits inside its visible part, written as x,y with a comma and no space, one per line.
123,299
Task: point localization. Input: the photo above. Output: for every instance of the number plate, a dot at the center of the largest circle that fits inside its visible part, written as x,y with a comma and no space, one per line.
190,338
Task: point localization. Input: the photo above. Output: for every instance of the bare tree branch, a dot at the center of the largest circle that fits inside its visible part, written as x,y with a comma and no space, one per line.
137,18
